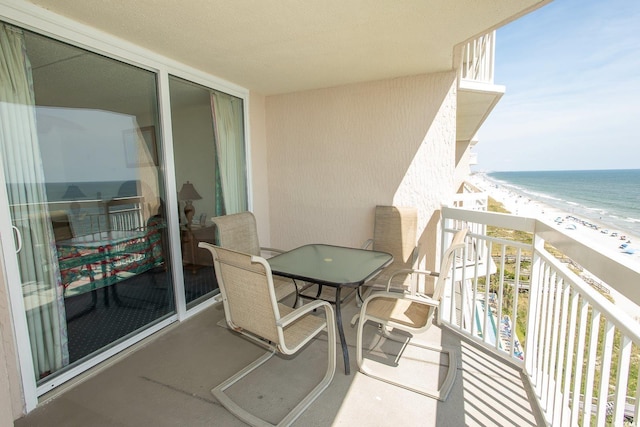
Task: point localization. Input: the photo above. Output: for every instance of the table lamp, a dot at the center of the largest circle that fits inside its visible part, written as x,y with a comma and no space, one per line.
188,193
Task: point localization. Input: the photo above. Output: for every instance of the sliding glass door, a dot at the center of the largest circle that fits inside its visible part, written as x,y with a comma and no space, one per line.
81,155
80,146
210,166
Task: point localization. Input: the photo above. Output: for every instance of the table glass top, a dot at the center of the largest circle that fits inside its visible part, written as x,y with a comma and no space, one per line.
331,265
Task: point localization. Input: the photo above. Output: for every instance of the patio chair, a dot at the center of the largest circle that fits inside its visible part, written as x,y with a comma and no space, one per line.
239,232
73,265
413,313
394,231
251,309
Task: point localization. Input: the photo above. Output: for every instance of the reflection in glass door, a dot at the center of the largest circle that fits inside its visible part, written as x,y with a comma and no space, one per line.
80,148
210,166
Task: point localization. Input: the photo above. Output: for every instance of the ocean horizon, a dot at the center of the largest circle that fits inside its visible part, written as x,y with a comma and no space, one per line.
610,197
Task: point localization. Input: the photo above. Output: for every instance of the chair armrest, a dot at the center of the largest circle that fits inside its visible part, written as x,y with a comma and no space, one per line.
410,271
299,312
329,324
427,272
419,298
423,299
366,244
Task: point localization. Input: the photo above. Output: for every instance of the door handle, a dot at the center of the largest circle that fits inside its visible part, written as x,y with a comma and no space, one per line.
18,238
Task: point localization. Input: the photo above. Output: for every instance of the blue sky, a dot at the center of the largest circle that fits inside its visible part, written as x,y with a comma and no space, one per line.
572,76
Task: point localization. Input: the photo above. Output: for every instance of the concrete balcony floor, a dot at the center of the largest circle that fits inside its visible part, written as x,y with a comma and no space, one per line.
167,382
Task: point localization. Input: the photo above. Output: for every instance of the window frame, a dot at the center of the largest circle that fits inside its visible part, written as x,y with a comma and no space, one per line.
35,19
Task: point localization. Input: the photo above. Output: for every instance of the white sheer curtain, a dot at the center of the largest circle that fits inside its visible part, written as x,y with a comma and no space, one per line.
25,179
228,125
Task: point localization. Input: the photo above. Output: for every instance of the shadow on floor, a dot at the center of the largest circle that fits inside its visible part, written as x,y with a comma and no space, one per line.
167,382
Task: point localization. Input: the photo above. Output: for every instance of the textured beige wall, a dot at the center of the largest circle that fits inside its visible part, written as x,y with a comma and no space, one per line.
463,170
333,154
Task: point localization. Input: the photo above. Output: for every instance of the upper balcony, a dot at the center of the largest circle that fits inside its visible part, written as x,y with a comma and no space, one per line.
477,94
530,333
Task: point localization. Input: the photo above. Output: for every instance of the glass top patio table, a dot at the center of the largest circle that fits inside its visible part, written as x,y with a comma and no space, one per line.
335,266
330,265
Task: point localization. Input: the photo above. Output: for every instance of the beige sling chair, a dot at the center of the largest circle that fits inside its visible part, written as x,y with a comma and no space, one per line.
394,232
413,313
239,232
252,310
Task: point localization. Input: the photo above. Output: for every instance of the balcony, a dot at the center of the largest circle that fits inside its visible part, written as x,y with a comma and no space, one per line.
477,93
167,382
527,374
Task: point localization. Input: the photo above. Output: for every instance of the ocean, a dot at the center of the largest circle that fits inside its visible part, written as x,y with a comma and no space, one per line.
610,197
103,190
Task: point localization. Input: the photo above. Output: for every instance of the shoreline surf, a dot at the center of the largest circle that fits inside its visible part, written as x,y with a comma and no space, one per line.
524,205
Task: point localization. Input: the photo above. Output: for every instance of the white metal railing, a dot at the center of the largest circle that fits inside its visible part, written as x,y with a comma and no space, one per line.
94,216
478,58
97,215
470,199
536,312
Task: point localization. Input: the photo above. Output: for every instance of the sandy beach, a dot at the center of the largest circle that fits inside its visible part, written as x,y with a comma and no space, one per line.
586,231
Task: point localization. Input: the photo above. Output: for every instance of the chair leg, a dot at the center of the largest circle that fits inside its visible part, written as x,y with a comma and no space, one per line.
363,295
450,377
247,417
218,392
296,302
354,319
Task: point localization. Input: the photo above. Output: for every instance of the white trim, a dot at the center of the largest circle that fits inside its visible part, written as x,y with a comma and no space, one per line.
171,192
41,21
214,300
16,300
247,154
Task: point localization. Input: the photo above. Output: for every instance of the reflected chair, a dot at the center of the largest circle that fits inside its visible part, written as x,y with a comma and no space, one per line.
239,232
141,252
155,247
61,225
72,264
412,313
252,310
395,231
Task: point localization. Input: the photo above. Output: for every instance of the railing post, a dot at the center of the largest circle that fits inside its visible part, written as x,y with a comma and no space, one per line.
532,318
446,224
477,59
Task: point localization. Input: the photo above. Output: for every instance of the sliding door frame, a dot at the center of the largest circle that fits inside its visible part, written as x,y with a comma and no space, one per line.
37,20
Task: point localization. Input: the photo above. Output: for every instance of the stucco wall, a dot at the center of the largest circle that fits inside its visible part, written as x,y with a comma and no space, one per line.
333,154
463,154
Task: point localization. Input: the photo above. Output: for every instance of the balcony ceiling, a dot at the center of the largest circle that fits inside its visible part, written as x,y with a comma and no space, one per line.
275,47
